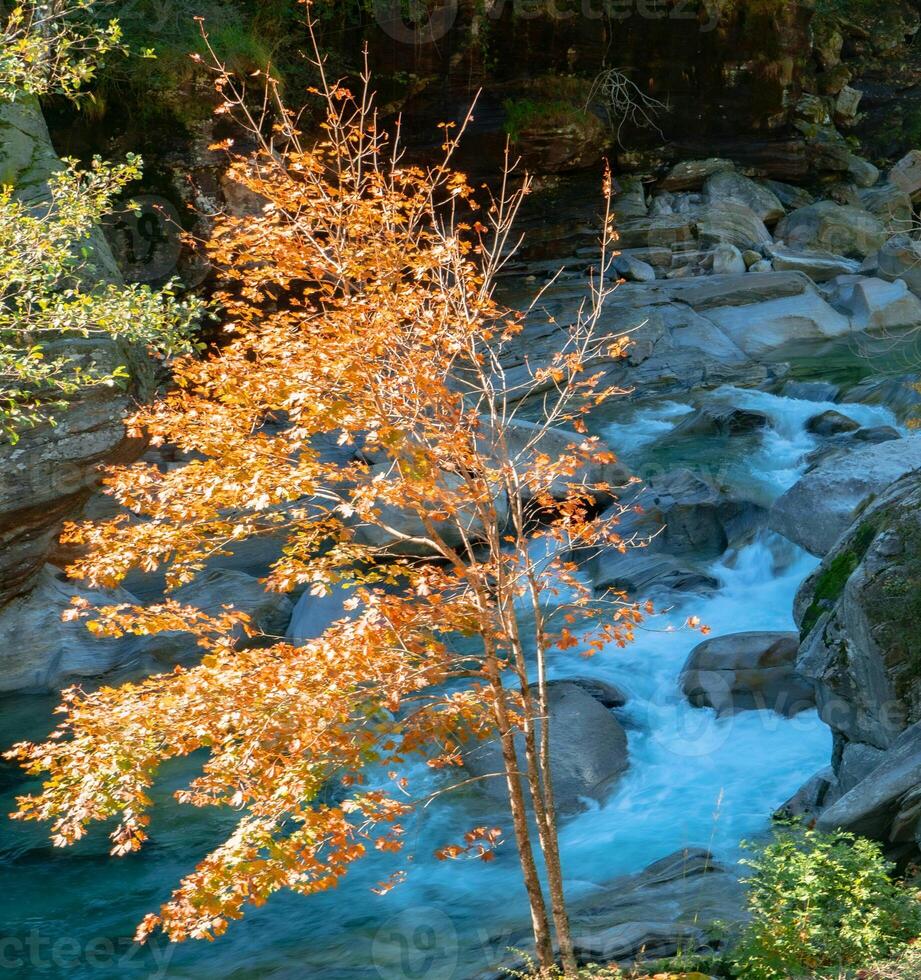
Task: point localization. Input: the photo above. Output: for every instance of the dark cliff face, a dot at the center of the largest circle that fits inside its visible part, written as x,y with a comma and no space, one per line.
725,69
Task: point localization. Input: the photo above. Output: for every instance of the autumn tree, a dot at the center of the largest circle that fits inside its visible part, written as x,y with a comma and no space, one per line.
359,311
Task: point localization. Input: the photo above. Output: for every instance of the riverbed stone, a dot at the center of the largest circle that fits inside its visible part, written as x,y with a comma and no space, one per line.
656,230
836,228
819,265
728,185
633,269
822,504
732,223
891,205
727,260
877,304
831,423
747,671
588,750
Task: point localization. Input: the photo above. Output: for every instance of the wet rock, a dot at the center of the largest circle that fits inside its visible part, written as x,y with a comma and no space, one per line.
727,259
906,174
609,695
818,264
691,175
831,423
642,572
877,433
810,391
588,750
720,422
688,890
896,393
633,269
727,185
822,504
817,793
832,227
745,672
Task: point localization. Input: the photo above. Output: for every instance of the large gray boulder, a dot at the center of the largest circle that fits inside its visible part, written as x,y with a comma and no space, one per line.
837,228
891,205
886,804
819,265
824,502
875,304
900,258
858,615
689,175
747,672
728,185
588,750
906,174
732,223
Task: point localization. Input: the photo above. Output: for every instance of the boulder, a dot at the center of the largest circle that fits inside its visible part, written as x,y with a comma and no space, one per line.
720,421
314,614
728,185
656,230
896,393
862,172
789,195
633,269
766,326
588,750
837,228
857,761
750,257
906,174
819,265
747,671
810,391
727,259
877,304
900,258
891,205
690,175
823,503
736,224
53,653
847,105
817,793
677,905
630,199
641,572
661,905
858,615
886,804
762,265
831,423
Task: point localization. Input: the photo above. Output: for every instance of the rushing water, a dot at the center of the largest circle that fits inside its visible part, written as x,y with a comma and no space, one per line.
693,780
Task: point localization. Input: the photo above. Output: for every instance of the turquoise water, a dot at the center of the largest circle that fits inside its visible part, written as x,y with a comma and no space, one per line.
693,780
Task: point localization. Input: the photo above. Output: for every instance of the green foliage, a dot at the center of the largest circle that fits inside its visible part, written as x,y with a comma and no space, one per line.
822,904
524,114
53,48
51,303
831,581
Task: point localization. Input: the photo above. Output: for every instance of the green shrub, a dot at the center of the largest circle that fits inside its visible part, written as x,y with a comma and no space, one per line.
821,904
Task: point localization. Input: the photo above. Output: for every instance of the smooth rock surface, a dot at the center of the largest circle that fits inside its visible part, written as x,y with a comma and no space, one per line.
836,228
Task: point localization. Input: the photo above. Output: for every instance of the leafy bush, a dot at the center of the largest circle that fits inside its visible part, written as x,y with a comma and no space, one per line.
820,904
